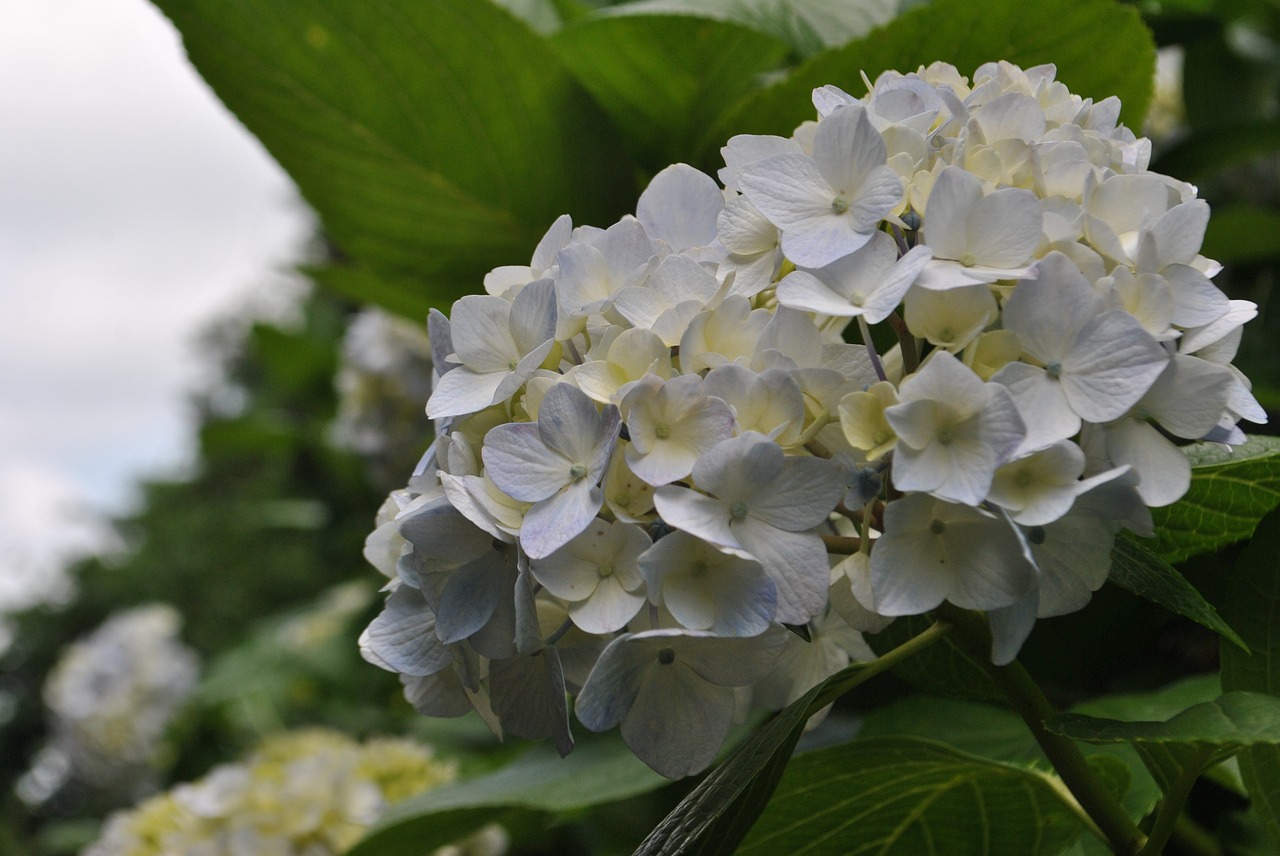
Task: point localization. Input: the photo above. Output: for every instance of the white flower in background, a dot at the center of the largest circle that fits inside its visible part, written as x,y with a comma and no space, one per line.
303,793
111,697
662,444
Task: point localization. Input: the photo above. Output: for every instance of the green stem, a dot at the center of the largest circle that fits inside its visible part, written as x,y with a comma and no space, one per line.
1026,699
1174,799
857,674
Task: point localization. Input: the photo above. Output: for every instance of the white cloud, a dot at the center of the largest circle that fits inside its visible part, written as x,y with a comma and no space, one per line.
133,210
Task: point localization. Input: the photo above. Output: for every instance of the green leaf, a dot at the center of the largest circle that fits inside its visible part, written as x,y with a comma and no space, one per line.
1100,48
988,730
1138,570
903,796
420,160
1253,606
997,733
599,770
1196,738
666,80
1241,233
808,26
1230,722
1230,492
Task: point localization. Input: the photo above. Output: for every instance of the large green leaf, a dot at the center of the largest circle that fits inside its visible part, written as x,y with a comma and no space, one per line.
1100,48
999,734
1191,741
435,138
1229,722
907,796
1140,571
1230,492
666,80
808,26
1253,607
992,731
599,770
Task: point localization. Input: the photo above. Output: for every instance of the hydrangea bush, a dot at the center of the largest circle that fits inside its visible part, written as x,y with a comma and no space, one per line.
306,793
939,346
111,698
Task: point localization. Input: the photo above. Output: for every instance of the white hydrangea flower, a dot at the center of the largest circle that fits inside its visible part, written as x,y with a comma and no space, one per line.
111,697
827,205
659,443
556,464
953,431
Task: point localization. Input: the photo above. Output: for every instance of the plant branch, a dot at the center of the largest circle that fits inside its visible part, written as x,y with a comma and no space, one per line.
862,672
1027,700
1171,804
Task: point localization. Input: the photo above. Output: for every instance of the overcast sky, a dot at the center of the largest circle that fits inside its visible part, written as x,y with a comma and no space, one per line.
134,210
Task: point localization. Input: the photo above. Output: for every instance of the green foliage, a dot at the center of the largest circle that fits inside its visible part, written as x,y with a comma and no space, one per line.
1138,570
909,796
666,80
1099,48
1230,492
1253,607
422,162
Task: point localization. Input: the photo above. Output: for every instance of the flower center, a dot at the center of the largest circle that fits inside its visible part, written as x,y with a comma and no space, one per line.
857,297
666,656
577,471
738,511
839,206
662,430
605,570
1053,368
968,260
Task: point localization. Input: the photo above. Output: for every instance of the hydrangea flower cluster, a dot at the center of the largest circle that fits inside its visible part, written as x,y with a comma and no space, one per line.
663,443
111,697
304,793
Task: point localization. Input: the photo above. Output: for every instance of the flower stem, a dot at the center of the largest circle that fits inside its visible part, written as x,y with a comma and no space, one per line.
1026,699
861,672
1174,799
865,330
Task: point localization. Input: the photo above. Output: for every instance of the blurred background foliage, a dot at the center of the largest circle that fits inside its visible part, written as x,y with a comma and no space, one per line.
428,167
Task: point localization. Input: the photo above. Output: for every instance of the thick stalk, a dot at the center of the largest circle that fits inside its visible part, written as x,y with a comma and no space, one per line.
1174,799
1026,699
